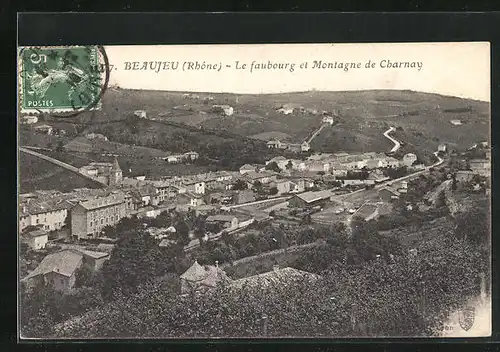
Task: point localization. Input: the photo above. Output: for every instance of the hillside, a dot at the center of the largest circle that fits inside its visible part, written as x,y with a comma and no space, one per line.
361,117
38,174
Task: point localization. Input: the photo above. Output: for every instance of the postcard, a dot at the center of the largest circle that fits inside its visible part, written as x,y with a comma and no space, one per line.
254,191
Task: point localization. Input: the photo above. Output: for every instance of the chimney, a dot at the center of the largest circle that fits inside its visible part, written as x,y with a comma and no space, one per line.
276,267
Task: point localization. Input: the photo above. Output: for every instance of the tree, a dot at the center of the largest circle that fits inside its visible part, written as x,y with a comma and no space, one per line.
273,167
240,185
59,146
289,165
273,190
135,258
257,187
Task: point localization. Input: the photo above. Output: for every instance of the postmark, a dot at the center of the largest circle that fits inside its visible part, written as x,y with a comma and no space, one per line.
62,81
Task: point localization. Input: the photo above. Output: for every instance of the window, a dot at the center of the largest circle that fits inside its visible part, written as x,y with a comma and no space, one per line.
102,221
91,224
37,220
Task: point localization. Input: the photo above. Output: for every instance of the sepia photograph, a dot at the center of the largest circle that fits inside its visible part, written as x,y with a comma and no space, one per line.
254,191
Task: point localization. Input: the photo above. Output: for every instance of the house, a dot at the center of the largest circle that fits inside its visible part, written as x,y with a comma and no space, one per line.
409,159
328,120
219,198
318,166
28,119
286,110
247,168
190,199
305,147
391,162
200,278
195,186
223,109
274,144
192,156
36,239
442,148
309,199
283,186
89,217
388,194
89,171
140,114
45,129
96,136
263,177
226,221
59,269
456,122
281,161
94,260
50,213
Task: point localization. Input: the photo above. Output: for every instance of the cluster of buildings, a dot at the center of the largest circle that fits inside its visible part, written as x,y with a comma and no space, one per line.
292,147
339,164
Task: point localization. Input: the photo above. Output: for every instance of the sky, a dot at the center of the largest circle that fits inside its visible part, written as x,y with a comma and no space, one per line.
456,69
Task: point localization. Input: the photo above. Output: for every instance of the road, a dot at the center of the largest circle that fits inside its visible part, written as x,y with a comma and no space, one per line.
397,145
362,195
318,131
59,163
229,207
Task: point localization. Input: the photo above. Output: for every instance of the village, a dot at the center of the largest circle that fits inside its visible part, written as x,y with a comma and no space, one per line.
325,188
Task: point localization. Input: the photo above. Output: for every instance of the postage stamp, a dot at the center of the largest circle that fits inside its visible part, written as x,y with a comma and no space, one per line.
60,79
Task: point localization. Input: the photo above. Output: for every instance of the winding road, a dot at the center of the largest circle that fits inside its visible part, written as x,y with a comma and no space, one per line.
397,145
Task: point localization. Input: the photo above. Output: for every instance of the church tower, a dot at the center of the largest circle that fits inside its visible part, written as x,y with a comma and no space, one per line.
115,174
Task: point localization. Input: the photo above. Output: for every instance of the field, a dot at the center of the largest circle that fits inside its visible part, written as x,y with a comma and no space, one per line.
362,117
38,174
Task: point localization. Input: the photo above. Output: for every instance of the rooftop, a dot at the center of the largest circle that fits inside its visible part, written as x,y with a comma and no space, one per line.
64,262
101,202
207,274
311,196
